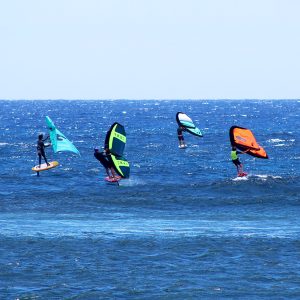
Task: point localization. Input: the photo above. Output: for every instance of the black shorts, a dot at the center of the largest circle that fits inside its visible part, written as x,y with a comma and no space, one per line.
236,162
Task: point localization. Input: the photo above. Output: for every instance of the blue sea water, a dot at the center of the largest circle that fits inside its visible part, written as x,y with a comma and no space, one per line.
182,227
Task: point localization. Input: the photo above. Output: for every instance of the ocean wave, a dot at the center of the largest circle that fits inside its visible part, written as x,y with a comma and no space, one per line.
126,225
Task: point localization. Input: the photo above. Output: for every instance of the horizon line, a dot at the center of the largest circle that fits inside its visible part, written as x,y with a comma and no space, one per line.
163,99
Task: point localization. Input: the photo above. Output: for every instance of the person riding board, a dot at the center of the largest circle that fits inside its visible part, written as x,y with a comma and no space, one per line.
180,129
105,161
41,149
236,161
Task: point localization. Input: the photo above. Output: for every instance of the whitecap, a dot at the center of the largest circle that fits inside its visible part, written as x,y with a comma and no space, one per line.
275,140
261,176
265,176
240,178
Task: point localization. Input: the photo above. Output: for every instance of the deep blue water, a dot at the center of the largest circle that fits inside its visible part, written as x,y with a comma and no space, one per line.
182,227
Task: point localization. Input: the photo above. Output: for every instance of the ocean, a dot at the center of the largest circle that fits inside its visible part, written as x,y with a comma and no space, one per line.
183,226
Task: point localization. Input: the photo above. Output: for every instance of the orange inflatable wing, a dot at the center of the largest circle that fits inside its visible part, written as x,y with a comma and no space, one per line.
261,153
244,139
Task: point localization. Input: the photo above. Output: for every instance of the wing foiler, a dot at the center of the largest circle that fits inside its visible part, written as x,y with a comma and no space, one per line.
115,141
244,139
184,121
58,140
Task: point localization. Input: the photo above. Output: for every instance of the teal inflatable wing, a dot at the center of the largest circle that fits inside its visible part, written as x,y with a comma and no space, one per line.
58,140
186,122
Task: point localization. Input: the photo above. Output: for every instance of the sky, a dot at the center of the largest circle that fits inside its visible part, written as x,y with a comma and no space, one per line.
150,49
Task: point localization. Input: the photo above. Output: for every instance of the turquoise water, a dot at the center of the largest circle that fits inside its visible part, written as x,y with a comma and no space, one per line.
182,227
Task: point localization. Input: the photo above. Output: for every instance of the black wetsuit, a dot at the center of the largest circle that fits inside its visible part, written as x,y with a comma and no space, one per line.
179,133
41,151
104,160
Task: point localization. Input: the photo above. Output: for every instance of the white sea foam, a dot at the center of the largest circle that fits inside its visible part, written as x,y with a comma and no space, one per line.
275,140
240,178
261,176
153,145
67,169
132,181
266,176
